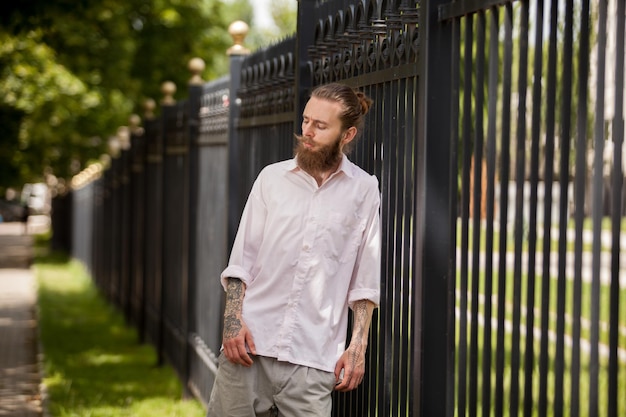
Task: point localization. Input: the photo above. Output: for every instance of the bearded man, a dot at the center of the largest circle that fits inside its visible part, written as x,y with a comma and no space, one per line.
307,249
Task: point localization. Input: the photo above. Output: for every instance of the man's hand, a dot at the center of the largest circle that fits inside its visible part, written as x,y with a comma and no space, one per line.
236,335
352,363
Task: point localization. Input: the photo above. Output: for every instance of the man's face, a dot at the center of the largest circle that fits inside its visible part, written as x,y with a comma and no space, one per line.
319,148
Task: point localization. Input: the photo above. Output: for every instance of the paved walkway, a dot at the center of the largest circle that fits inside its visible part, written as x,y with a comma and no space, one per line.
20,377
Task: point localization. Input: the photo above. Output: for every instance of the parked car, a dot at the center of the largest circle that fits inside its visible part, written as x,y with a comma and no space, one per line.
37,197
11,211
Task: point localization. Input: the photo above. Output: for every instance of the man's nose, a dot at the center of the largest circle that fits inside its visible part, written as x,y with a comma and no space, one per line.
307,130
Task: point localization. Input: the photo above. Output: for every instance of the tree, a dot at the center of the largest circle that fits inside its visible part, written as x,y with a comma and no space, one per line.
72,72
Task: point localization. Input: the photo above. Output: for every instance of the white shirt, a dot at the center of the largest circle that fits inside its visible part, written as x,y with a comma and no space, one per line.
305,253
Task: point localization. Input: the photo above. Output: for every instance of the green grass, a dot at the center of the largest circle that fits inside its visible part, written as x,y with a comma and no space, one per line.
604,302
94,365
554,241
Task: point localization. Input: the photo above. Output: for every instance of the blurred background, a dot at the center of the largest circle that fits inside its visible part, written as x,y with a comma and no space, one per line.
72,71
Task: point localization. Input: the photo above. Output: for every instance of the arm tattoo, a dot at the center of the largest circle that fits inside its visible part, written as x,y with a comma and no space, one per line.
359,310
232,312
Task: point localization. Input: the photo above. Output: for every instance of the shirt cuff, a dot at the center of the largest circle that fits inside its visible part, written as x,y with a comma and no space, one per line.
234,271
364,294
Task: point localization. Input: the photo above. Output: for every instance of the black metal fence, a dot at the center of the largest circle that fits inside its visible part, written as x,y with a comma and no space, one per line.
540,312
497,138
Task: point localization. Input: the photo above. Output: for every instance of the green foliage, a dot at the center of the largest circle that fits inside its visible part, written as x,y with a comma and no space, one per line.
72,72
93,363
51,101
284,13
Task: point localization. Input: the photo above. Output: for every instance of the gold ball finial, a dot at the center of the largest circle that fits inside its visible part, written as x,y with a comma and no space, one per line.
134,122
123,137
168,88
196,66
105,160
148,108
115,146
238,31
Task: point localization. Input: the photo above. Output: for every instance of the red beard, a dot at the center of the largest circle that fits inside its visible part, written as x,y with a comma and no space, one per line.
321,159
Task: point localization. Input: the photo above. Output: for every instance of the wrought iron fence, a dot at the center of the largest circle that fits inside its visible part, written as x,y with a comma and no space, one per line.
499,161
538,295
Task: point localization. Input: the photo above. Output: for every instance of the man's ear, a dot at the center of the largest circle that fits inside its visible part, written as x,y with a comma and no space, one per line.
348,135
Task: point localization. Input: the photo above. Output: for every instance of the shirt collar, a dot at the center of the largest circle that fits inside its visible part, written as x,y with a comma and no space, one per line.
345,166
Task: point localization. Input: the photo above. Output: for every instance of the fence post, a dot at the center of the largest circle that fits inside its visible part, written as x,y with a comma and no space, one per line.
113,272
434,355
124,236
62,222
175,229
137,225
153,216
305,37
196,66
237,53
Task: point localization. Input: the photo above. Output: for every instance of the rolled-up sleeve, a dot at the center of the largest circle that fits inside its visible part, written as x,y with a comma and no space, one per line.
365,283
247,241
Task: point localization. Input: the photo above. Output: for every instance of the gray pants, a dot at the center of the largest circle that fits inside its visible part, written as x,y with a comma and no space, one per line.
270,388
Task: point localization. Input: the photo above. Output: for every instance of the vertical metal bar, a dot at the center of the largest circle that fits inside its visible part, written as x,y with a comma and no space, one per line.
138,229
189,300
455,69
532,217
434,249
127,278
305,38
115,231
594,335
389,190
504,191
492,116
477,213
385,329
579,195
408,204
235,199
547,219
394,305
565,141
465,215
617,210
168,117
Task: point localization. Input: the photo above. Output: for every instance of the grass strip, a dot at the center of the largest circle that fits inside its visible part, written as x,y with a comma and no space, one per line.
94,365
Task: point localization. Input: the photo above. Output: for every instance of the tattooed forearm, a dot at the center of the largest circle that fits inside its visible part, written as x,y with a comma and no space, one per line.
360,329
361,322
362,315
232,312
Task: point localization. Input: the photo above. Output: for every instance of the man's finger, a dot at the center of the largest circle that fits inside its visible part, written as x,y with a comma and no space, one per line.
244,357
251,345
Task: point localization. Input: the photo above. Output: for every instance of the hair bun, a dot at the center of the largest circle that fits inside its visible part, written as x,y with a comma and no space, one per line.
365,102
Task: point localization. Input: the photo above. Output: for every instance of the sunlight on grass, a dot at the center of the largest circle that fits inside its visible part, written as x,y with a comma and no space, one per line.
94,365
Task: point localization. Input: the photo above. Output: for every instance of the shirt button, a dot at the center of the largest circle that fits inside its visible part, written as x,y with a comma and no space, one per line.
306,247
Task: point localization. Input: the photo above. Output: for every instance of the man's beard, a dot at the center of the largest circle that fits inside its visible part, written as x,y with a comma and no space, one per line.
322,159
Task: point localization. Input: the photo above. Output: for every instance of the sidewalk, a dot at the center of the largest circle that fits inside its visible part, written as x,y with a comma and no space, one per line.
19,353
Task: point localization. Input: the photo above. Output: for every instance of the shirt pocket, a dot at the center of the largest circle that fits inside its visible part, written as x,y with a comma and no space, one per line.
341,236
